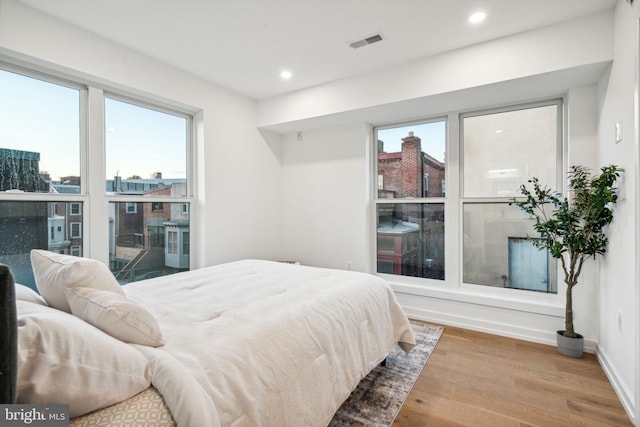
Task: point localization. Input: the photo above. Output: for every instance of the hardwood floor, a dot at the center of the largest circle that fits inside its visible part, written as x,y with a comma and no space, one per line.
477,379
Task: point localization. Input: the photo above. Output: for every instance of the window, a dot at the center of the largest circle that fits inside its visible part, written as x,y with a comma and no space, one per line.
76,230
40,140
501,150
505,148
145,150
35,158
172,244
426,185
493,248
410,239
410,235
146,245
26,225
185,243
156,142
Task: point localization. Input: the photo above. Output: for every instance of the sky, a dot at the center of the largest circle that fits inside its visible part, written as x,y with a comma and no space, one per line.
140,141
44,117
433,137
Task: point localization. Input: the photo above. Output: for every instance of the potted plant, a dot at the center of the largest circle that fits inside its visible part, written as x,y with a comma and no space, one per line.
571,228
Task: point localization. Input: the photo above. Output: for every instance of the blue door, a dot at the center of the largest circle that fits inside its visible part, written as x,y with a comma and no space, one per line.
528,265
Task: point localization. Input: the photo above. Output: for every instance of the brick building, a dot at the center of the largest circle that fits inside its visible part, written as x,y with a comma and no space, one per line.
410,172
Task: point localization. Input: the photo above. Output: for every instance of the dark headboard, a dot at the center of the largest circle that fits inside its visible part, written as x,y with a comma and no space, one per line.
8,337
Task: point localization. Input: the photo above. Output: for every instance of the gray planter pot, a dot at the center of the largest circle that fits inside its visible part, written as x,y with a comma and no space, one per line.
571,347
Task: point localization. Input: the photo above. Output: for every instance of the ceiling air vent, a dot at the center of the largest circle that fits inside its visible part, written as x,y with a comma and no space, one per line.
366,41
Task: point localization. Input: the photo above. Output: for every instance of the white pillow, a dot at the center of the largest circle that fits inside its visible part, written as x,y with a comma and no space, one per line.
55,272
25,293
116,315
62,359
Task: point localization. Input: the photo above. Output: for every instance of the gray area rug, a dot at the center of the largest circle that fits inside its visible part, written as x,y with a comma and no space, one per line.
380,395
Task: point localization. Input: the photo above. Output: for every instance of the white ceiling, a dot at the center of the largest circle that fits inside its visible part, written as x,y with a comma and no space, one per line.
244,44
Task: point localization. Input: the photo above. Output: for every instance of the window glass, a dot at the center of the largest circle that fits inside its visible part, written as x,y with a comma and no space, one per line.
172,244
186,243
500,149
496,251
410,239
146,150
26,225
39,135
411,160
503,150
76,228
148,242
411,163
42,120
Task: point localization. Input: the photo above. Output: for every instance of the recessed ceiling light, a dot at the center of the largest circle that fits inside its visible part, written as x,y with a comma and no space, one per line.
286,75
477,17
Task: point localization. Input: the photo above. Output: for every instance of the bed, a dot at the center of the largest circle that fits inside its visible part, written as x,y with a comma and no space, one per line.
246,343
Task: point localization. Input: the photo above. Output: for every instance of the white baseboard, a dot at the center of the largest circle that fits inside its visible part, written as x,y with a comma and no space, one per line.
505,329
623,393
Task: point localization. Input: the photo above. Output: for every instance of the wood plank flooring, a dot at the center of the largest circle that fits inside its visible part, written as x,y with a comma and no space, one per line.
476,379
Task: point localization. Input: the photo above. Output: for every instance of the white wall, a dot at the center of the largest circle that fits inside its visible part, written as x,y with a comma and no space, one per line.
325,212
619,295
582,119
238,211
333,161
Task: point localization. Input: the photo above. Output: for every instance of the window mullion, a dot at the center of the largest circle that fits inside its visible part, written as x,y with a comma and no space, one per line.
453,230
96,214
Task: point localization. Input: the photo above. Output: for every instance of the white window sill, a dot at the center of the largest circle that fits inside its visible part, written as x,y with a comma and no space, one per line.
511,299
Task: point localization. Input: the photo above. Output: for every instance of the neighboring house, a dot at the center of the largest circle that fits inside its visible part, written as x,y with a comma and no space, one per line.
150,238
66,219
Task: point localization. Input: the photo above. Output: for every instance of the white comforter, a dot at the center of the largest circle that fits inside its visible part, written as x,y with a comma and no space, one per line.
260,343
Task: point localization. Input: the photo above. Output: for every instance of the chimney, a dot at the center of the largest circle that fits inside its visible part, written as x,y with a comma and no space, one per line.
411,166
